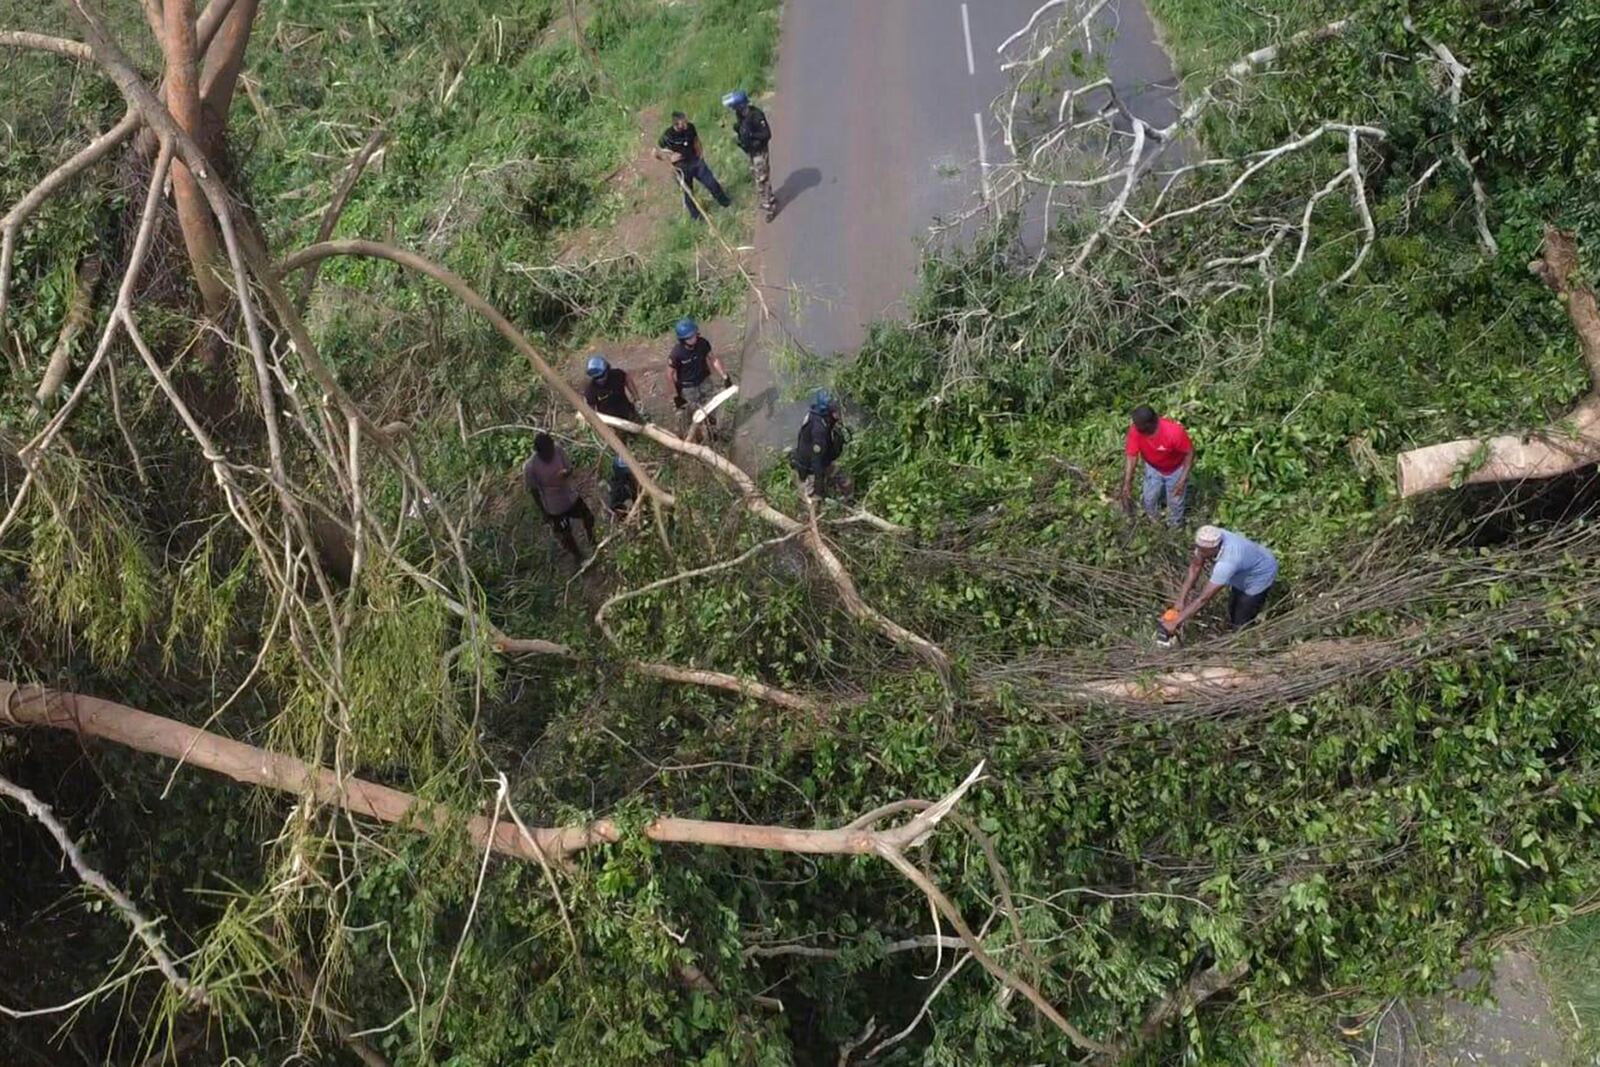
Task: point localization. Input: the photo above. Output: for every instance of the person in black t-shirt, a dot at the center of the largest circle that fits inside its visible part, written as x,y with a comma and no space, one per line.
754,134
611,391
681,145
689,369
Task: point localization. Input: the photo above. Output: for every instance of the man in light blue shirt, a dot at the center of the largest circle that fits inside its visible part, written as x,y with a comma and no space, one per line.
1236,562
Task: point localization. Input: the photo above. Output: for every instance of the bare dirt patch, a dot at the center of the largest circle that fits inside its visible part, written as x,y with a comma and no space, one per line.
641,195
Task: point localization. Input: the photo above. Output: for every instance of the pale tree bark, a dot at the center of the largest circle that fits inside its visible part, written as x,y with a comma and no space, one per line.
26,705
179,45
1559,448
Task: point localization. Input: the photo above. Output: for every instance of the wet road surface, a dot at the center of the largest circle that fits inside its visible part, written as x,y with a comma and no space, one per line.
882,124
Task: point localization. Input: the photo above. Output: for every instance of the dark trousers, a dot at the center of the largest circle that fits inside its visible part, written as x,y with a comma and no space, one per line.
1244,607
562,525
700,171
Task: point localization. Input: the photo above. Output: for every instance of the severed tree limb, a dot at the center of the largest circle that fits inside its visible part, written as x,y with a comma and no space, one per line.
817,952
142,240
1181,1001
1005,977
758,506
666,672
1553,450
42,42
341,1028
142,927
79,311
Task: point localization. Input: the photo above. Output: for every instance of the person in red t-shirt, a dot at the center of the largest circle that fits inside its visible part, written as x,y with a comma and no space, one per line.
1168,455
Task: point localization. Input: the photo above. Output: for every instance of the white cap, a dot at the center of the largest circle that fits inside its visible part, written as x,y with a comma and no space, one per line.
1208,537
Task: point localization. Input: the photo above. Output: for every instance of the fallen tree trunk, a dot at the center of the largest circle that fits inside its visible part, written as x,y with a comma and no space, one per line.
88,716
94,717
1557,449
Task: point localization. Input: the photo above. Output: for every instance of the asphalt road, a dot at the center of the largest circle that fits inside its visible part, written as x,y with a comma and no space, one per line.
881,125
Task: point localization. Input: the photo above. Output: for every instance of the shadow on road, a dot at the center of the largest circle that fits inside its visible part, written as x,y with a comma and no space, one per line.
796,183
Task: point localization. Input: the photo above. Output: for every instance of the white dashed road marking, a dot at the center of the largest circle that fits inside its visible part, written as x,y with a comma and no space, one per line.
983,153
966,32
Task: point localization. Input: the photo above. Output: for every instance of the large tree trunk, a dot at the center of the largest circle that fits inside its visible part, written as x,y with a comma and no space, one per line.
223,64
183,100
1557,449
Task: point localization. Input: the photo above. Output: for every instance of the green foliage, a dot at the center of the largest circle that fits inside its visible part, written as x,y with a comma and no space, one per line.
1570,953
1366,837
89,573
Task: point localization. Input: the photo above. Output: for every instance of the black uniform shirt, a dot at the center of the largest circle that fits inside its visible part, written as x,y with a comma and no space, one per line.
682,142
692,362
608,395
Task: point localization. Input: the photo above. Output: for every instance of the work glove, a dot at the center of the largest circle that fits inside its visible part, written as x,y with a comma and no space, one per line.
727,380
678,401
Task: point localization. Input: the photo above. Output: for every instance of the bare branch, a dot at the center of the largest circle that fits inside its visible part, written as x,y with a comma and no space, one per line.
19,213
758,506
1458,76
1358,197
142,927
79,311
1114,211
683,576
61,46
422,265
330,217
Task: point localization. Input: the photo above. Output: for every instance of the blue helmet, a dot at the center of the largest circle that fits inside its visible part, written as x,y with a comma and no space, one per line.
822,401
737,98
618,463
687,328
598,366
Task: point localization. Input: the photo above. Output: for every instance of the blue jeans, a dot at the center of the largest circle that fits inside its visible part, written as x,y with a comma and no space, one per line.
700,171
1155,484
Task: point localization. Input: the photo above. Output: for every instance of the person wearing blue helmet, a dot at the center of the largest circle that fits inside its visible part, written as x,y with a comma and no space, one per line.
689,369
680,146
611,391
623,489
819,444
754,134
